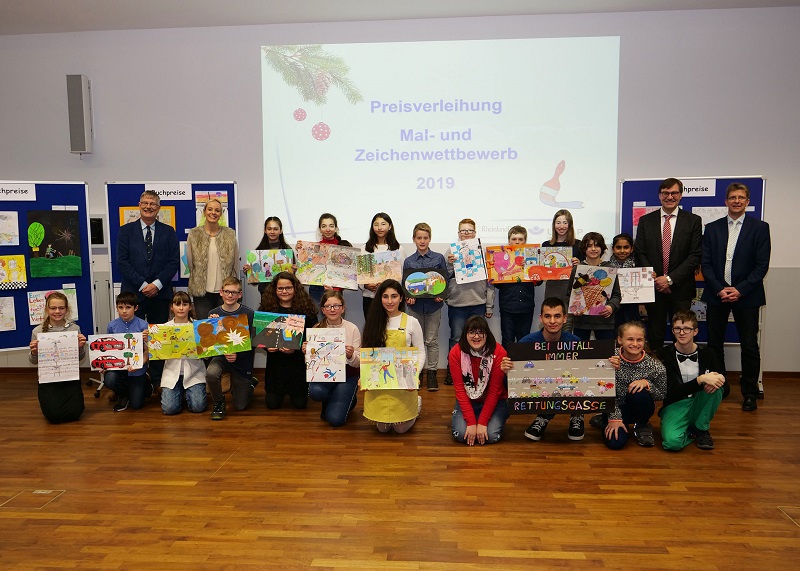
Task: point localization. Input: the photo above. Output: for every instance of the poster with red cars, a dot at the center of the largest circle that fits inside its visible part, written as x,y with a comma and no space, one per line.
116,351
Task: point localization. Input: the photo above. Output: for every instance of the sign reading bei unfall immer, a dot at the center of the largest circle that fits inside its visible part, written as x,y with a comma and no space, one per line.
561,377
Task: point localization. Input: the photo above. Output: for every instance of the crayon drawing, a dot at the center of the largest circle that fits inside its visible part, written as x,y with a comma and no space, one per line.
376,267
116,351
12,272
266,264
9,228
591,289
278,330
427,282
222,335
468,265
549,263
340,268
8,317
507,264
389,368
58,356
55,243
325,355
312,258
171,341
36,301
636,285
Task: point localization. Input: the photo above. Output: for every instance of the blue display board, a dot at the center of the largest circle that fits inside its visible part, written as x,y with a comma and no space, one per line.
702,196
181,207
58,246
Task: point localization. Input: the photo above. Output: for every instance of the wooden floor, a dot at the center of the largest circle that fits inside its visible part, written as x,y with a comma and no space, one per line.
263,490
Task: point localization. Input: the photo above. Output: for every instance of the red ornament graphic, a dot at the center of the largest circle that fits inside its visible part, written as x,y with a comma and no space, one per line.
299,114
321,131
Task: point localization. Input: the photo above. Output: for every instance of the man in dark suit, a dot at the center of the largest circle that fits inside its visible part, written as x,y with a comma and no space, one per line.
736,252
148,257
669,240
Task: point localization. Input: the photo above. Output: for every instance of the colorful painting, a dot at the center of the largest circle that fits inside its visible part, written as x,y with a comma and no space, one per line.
312,258
591,289
340,270
639,211
55,243
561,377
389,368
116,351
201,198
506,264
637,285
36,303
376,267
184,271
9,229
222,335
468,265
12,272
266,264
8,316
426,282
166,215
278,330
58,356
550,263
326,360
171,341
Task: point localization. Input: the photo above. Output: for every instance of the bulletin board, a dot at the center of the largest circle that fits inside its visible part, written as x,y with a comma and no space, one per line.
704,196
44,228
182,205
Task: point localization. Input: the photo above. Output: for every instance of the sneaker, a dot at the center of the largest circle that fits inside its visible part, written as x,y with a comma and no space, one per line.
596,421
448,379
576,428
644,435
536,430
219,410
433,383
253,382
419,406
122,404
703,439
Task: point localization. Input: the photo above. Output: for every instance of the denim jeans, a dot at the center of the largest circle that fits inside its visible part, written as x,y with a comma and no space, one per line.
514,326
494,428
430,333
638,409
136,389
337,399
457,317
172,399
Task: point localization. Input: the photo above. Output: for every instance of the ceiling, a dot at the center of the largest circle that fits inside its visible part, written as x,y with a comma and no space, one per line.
57,16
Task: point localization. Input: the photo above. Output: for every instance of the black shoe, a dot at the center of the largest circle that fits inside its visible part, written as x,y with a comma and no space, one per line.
576,428
749,404
448,379
219,410
536,429
703,439
122,404
433,383
644,434
596,421
253,382
323,410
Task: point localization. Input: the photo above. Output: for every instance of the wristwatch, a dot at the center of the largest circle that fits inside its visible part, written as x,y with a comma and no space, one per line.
669,280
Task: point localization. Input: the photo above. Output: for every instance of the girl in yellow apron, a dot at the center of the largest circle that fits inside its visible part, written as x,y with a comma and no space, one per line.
388,326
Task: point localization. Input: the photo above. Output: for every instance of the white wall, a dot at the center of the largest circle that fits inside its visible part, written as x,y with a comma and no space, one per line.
701,93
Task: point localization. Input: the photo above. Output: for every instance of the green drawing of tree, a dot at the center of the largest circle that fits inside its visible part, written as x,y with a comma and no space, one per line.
128,355
251,257
312,70
35,237
129,336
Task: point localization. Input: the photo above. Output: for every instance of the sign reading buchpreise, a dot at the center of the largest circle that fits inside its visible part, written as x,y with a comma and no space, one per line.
561,377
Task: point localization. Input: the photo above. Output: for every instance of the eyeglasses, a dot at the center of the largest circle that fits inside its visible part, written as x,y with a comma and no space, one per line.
673,194
284,288
476,333
148,203
466,231
333,307
229,292
678,330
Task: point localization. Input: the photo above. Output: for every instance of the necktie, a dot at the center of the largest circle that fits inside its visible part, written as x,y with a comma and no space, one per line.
682,357
148,244
666,241
733,236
